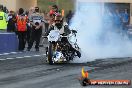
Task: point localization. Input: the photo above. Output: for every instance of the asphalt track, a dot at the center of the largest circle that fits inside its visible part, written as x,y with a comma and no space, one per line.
34,72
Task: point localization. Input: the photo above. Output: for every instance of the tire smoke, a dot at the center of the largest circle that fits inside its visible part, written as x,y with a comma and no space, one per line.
96,38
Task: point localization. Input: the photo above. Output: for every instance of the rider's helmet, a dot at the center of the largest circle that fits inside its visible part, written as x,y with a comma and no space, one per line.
58,18
58,21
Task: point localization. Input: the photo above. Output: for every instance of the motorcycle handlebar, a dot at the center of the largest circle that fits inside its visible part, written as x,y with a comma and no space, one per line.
63,36
47,36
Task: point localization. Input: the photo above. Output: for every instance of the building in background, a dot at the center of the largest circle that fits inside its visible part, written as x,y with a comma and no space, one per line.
16,4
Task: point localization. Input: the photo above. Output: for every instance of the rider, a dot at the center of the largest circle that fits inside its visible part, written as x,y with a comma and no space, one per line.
62,26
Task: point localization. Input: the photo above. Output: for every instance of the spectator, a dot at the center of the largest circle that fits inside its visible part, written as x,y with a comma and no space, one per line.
51,19
69,16
29,13
55,11
21,20
1,7
3,19
36,21
125,19
117,21
5,9
11,22
28,28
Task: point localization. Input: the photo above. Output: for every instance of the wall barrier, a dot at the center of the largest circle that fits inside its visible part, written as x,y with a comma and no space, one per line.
8,42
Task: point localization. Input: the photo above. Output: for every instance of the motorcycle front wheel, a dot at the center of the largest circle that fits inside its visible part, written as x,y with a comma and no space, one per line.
50,54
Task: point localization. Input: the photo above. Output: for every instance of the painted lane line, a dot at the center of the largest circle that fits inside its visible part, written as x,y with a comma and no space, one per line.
2,59
6,53
19,57
10,58
10,53
14,52
27,56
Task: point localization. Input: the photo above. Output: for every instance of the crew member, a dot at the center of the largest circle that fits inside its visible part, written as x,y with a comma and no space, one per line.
11,22
21,21
3,19
36,21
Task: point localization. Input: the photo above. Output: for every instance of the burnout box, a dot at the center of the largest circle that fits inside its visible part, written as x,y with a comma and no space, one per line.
8,42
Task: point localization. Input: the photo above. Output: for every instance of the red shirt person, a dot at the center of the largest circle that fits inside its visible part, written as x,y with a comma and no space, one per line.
55,11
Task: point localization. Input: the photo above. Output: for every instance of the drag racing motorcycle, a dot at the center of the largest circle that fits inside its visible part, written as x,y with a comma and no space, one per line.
61,48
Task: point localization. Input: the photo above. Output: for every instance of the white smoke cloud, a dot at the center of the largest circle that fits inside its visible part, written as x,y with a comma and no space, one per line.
96,39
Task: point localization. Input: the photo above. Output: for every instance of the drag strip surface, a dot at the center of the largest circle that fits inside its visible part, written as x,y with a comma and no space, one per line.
34,72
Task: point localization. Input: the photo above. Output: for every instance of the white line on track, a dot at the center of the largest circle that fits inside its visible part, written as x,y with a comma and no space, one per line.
2,59
19,57
10,58
6,53
14,52
10,53
27,56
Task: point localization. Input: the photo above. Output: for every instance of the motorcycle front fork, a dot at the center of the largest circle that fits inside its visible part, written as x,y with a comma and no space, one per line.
53,48
46,50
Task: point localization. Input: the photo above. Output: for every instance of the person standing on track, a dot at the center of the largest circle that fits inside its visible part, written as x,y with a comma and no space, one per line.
21,22
36,20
